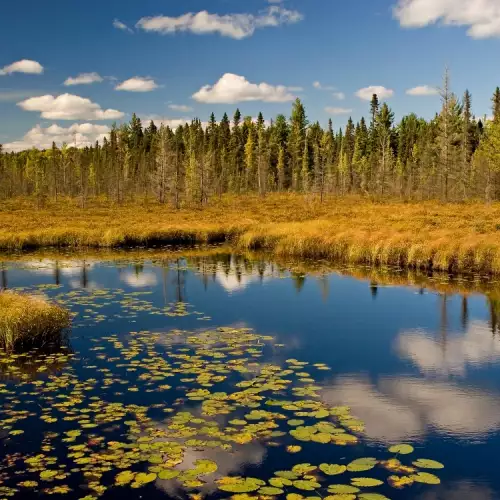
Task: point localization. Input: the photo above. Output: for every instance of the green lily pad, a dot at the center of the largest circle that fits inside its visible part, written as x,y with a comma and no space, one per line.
332,469
426,478
366,482
306,485
342,488
362,464
402,449
424,463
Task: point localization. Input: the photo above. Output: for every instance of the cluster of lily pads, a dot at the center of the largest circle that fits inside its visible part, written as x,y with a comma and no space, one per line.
133,410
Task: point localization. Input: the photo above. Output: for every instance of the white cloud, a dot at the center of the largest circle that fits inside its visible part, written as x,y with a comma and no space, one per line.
180,107
295,89
42,137
137,84
481,16
232,88
236,26
338,111
24,66
319,86
339,95
367,93
422,90
83,79
68,107
121,26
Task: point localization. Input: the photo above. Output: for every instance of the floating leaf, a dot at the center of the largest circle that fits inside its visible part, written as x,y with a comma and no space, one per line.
342,488
366,482
372,496
168,474
362,464
239,484
424,463
294,449
124,478
332,469
205,467
426,478
321,437
294,496
402,449
400,482
279,482
341,496
302,469
295,423
306,485
269,490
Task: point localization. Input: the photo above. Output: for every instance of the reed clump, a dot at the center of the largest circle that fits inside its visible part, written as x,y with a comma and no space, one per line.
419,235
30,321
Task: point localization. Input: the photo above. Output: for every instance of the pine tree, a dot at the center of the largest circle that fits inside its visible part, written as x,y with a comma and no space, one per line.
496,105
296,144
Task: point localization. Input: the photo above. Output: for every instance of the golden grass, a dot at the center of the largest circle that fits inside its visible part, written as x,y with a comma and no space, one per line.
429,235
30,321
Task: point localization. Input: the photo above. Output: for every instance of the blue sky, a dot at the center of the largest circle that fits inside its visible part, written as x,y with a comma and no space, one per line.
287,46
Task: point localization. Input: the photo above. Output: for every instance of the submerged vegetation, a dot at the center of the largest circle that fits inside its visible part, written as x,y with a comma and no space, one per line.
228,401
428,235
30,321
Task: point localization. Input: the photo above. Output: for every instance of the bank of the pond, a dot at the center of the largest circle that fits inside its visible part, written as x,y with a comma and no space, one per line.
30,321
447,237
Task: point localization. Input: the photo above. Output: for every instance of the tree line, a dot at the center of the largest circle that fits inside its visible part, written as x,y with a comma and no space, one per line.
452,157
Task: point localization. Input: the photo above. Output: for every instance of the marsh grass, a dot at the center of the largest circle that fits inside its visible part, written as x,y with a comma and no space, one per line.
29,321
428,235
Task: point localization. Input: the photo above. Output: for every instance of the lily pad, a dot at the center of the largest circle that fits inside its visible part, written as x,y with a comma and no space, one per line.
402,449
424,463
366,482
332,469
426,478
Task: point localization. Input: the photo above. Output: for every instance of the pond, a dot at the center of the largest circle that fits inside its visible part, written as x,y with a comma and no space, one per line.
212,375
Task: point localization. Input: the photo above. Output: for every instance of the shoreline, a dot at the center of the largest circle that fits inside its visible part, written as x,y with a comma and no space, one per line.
426,236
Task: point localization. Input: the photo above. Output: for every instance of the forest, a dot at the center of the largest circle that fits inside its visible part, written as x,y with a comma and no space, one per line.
452,157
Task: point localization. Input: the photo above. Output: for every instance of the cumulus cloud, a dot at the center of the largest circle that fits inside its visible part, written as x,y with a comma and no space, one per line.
236,26
481,16
24,66
68,107
180,107
84,134
137,84
121,26
367,93
320,86
232,88
339,95
422,90
83,79
338,111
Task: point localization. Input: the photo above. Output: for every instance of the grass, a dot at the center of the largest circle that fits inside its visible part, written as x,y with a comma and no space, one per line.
31,321
428,236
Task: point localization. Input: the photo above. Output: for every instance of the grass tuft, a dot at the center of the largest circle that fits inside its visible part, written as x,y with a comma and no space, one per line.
29,321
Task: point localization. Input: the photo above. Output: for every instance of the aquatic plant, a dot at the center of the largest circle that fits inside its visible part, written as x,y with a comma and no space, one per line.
27,320
221,399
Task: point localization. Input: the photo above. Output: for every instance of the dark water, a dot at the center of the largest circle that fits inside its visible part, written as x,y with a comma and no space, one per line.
414,365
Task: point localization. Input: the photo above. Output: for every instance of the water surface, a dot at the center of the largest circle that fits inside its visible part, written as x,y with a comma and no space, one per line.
154,339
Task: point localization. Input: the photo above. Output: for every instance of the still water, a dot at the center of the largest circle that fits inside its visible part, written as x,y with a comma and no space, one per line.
180,372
